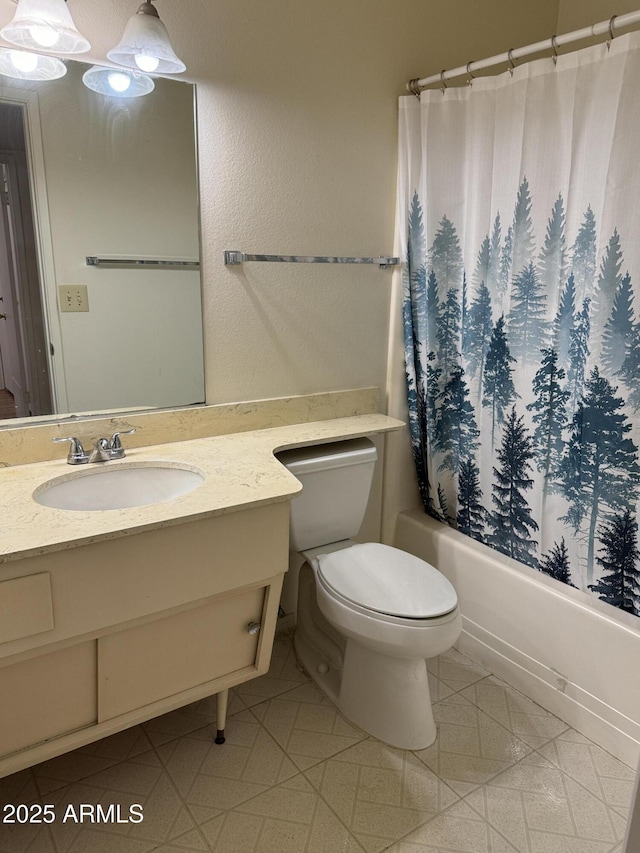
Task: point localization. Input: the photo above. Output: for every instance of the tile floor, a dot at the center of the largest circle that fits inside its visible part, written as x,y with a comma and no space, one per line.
504,776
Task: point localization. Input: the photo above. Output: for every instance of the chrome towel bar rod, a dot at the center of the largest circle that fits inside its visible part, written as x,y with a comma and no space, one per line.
233,257
165,263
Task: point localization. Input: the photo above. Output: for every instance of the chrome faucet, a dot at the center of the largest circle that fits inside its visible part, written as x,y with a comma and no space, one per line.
100,452
104,449
77,455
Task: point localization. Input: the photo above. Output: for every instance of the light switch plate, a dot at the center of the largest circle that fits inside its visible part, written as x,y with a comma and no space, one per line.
73,297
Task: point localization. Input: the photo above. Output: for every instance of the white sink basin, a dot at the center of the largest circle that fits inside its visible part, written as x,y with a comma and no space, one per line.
118,487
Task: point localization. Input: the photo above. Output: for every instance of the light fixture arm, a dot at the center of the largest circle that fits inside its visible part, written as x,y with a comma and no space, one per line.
148,9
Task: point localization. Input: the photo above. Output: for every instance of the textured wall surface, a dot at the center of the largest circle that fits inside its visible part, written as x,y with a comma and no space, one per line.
297,131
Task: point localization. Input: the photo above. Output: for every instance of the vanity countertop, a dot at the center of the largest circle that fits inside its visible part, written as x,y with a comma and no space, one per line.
240,471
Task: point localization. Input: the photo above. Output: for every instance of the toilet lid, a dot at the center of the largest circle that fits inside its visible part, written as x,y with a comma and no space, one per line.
387,580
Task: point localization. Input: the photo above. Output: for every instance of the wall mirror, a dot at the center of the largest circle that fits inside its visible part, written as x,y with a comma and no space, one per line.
85,175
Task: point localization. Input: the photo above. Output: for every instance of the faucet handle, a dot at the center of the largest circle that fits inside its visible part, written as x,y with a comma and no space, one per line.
76,455
116,450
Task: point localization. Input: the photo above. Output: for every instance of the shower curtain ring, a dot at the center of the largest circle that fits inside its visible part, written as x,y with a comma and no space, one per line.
443,85
471,76
414,87
554,48
611,35
511,62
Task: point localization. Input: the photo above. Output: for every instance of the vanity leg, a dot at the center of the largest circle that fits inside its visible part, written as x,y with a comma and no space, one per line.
222,700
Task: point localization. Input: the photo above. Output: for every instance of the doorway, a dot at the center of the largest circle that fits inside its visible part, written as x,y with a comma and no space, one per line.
23,346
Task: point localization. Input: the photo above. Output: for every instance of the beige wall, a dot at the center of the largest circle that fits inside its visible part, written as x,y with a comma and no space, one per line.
575,14
297,127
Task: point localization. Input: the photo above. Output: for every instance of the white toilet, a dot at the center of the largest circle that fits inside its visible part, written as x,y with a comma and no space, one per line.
368,615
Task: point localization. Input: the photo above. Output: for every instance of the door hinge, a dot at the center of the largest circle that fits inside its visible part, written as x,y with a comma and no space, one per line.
51,349
5,197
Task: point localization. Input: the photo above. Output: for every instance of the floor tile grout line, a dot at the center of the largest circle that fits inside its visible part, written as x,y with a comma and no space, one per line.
181,801
34,779
180,796
493,827
349,832
528,698
477,785
457,796
315,811
320,760
81,779
109,790
578,781
298,772
443,813
52,840
364,735
460,689
592,743
277,695
27,800
497,720
492,781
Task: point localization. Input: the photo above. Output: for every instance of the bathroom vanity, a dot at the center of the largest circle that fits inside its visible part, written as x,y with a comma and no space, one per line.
110,618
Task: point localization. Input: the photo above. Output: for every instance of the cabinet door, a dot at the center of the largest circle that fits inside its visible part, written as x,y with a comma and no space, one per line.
47,696
150,662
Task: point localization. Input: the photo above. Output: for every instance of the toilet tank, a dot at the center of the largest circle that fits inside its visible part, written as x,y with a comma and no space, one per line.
336,480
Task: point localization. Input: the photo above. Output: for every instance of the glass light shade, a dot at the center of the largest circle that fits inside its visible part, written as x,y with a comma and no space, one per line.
145,44
30,66
44,25
117,82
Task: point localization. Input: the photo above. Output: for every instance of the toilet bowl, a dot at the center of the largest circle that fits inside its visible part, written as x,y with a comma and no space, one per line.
368,615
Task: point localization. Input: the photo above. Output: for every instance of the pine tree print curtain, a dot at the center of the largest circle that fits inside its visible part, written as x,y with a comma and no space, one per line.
519,221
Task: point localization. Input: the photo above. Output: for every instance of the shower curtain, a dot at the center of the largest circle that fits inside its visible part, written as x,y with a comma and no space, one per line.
519,225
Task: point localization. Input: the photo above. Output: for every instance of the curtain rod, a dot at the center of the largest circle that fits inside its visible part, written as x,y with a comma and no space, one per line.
604,27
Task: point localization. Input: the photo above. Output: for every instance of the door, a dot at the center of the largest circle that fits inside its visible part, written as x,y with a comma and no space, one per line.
13,361
20,292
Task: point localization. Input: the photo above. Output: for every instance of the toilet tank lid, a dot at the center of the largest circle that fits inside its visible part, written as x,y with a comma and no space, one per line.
387,580
321,457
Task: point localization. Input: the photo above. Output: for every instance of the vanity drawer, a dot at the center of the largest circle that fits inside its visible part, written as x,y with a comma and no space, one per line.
62,683
25,606
150,662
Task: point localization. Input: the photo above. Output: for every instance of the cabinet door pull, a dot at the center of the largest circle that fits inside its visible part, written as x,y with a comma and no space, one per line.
253,627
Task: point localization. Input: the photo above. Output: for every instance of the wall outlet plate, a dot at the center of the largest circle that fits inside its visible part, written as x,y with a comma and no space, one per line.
73,297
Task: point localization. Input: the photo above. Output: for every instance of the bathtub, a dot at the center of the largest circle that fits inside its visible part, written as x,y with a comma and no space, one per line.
576,656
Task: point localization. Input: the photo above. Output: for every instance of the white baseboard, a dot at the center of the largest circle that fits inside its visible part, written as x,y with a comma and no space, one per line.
581,710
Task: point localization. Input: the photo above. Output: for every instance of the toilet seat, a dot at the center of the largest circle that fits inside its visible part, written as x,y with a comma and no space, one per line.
387,582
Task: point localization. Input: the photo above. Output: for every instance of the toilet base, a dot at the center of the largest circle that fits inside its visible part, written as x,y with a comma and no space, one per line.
325,675
385,696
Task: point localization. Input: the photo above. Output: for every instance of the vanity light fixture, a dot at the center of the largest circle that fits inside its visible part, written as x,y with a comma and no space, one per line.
145,44
23,65
44,25
117,82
